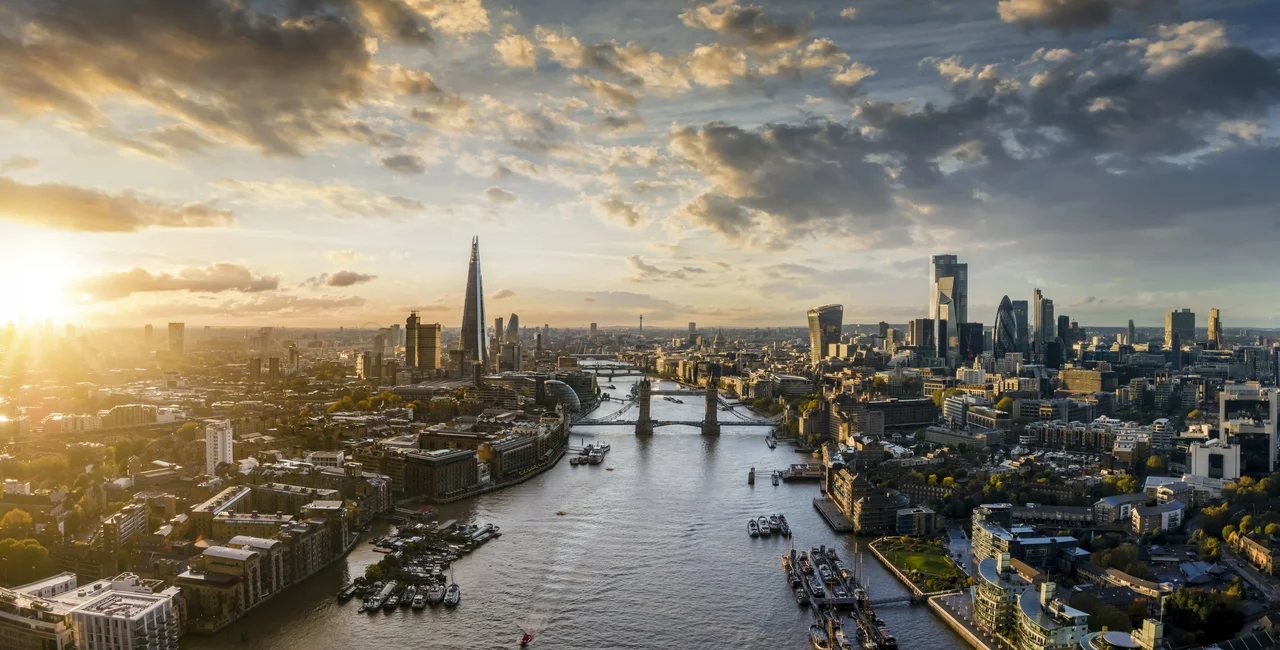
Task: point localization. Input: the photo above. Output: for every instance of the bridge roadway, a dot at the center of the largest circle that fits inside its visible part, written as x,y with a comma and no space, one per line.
663,423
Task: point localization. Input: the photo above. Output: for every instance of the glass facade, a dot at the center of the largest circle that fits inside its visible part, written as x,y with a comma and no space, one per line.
824,329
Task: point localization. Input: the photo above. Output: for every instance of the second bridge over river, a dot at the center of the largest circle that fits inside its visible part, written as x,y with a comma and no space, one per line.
645,424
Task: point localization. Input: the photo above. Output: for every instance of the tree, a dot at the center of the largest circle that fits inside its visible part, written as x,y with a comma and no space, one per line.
1005,404
373,572
1272,529
1227,532
17,523
949,482
188,431
1156,465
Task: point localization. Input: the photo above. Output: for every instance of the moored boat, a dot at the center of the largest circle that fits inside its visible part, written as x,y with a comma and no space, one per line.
818,637
773,521
801,599
452,595
753,529
435,595
409,594
763,522
420,601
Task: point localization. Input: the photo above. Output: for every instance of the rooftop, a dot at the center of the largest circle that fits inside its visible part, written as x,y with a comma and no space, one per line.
121,604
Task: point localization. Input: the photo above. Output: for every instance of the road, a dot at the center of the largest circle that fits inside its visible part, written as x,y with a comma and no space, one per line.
1254,577
959,544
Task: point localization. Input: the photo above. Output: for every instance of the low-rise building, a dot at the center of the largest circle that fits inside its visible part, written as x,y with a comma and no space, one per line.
1259,550
917,521
1157,518
1118,508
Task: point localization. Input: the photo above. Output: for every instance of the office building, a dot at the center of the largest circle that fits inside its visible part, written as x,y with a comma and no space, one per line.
429,346
1063,330
1130,340
255,370
1182,323
1042,315
1215,458
217,445
274,373
1004,335
920,332
593,331
947,266
693,330
971,342
411,341
1215,328
474,343
513,329
825,322
177,339
1020,314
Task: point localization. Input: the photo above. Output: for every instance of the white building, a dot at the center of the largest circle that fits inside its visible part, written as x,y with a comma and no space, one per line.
327,458
122,620
217,445
1215,459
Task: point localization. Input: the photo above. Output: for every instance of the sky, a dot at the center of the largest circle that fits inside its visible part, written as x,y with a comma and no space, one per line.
326,162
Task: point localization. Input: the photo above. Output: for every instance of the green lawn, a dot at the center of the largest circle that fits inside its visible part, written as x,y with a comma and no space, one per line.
926,565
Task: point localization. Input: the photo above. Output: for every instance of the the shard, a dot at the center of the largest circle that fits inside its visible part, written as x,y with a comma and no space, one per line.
1005,333
474,345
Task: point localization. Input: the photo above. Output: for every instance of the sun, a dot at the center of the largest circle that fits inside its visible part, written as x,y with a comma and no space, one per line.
36,279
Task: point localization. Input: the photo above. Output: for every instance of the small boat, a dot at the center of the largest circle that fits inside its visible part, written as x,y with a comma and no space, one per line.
409,594
348,592
753,529
825,572
392,603
771,443
526,639
818,637
453,595
420,601
559,513
751,477
801,599
765,530
775,481
773,521
575,461
435,595
806,565
784,529
608,469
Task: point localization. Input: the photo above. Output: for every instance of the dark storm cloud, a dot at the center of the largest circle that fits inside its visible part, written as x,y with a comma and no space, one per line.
275,82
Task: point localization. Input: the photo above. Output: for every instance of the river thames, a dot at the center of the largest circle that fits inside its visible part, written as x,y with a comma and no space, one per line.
654,554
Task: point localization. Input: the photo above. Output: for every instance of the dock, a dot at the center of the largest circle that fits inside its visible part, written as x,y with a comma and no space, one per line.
834,518
803,472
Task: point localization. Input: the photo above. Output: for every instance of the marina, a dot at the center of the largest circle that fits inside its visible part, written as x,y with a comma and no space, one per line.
834,592
416,558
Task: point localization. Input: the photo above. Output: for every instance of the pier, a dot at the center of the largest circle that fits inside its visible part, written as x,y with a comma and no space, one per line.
834,518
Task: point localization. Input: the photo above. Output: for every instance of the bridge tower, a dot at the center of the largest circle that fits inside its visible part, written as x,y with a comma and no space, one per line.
644,426
710,422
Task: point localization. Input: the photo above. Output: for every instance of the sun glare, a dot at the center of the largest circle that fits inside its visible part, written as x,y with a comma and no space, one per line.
37,281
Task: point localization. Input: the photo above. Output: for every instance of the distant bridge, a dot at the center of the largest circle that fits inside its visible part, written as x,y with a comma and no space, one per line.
664,423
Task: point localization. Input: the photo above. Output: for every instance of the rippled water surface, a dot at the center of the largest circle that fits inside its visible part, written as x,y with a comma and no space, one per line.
653,554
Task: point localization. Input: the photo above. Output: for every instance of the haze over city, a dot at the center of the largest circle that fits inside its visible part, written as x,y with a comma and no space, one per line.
324,163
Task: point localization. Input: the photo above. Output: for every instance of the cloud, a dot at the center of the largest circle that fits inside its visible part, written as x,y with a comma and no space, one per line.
632,64
716,65
744,24
849,13
1075,15
611,94
343,257
17,163
501,294
500,196
346,278
412,82
820,53
215,278
615,209
516,51
180,137
346,200
405,164
645,272
276,305
67,207
274,82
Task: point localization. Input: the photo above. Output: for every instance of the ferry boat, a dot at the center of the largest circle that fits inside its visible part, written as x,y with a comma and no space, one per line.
752,528
435,595
765,530
453,595
348,592
595,457
818,637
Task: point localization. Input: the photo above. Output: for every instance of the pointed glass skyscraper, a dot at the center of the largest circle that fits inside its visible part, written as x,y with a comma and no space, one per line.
473,339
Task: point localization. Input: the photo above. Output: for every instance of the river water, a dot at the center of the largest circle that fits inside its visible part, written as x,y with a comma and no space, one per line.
654,554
